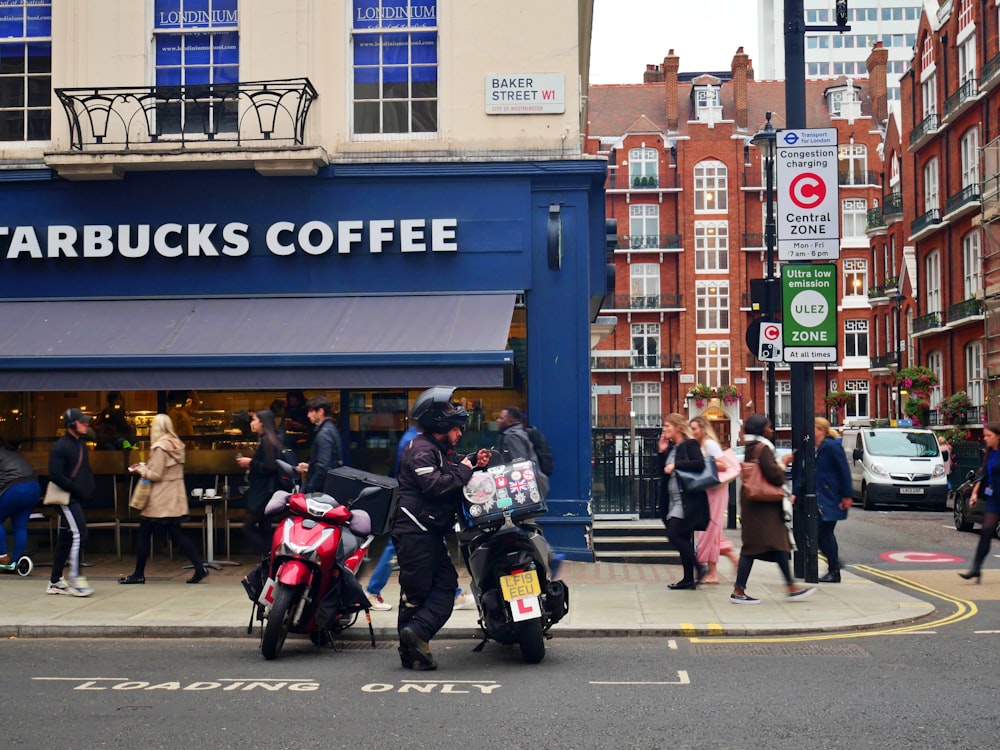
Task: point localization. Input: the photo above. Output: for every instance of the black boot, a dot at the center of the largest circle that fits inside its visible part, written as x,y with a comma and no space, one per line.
832,576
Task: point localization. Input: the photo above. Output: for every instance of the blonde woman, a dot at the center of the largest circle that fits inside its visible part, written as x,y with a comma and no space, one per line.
682,511
167,501
712,542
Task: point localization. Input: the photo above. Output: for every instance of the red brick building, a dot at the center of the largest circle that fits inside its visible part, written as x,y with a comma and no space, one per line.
687,189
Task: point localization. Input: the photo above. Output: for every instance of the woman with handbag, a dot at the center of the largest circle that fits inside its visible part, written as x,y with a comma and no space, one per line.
986,490
167,503
683,511
765,536
712,542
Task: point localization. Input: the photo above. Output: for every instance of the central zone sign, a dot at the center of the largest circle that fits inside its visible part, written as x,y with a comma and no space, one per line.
808,218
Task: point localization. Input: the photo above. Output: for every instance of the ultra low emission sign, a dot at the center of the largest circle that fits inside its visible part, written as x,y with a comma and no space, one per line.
809,312
808,195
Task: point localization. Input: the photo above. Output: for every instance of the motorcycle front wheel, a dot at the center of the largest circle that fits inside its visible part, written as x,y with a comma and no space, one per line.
278,622
531,639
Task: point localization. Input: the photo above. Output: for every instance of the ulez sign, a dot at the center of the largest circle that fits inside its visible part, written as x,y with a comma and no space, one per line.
809,307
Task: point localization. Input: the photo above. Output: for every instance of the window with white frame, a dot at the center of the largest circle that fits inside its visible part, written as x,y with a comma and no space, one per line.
644,226
197,48
643,167
645,345
967,63
712,367
931,196
932,281
975,387
25,70
964,14
711,187
928,96
852,163
707,106
859,403
855,338
712,306
854,217
644,285
395,67
926,52
838,97
855,277
711,246
783,403
969,146
972,265
646,404
935,362
894,170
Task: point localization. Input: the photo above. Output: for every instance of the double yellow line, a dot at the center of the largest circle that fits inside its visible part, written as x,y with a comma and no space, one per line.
964,609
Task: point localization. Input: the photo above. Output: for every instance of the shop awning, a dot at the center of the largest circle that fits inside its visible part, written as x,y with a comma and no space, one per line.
256,343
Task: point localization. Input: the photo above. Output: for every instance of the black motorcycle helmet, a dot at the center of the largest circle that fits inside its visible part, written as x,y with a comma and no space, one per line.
434,411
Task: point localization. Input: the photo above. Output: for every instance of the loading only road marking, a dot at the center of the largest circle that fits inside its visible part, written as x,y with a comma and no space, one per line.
964,609
225,684
444,687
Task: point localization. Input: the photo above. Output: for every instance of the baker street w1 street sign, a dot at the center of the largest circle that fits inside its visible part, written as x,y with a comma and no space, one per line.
809,306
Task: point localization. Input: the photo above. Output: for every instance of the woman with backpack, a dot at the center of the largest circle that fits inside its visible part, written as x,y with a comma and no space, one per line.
265,479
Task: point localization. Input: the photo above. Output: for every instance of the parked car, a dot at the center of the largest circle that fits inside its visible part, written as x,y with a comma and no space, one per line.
966,517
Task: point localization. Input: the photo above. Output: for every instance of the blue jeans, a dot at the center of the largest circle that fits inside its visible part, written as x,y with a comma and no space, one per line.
16,504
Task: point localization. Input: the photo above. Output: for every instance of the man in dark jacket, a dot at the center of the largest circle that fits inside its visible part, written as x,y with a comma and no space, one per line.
326,451
513,443
69,468
431,477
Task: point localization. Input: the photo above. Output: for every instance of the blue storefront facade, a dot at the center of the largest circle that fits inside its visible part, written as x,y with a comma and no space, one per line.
377,278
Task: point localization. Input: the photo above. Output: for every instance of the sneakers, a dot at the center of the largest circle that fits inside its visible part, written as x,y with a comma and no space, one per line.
419,650
465,601
378,603
801,593
742,599
79,587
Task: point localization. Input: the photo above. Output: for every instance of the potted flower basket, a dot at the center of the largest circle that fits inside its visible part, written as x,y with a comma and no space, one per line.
728,394
701,393
955,408
837,399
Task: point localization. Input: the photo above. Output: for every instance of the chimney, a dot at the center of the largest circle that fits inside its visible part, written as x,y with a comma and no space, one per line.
652,74
741,73
876,62
671,64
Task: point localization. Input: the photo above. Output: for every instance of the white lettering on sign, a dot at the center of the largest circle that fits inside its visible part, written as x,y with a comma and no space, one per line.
450,687
224,684
210,240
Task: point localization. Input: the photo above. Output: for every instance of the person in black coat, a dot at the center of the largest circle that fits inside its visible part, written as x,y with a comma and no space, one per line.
683,512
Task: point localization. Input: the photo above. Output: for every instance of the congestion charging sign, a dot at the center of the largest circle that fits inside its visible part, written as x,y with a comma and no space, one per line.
809,314
808,219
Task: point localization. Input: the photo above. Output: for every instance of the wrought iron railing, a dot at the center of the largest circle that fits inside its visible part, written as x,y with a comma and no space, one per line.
649,242
961,95
927,126
272,112
875,292
643,301
927,322
883,361
928,219
858,177
753,178
636,362
753,239
991,68
892,205
968,194
875,220
974,415
966,309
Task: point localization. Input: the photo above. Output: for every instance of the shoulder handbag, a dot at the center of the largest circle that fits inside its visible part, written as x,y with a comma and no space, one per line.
56,495
732,469
703,480
140,495
756,487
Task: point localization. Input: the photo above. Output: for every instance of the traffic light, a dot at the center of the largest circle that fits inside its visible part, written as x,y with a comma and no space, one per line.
841,12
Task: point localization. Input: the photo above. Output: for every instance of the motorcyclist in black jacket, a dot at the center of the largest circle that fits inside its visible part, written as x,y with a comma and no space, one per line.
431,477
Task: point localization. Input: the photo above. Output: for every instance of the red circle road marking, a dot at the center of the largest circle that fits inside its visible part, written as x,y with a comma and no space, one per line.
909,556
771,333
807,190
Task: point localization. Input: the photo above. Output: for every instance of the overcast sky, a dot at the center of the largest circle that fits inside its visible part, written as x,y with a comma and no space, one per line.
629,34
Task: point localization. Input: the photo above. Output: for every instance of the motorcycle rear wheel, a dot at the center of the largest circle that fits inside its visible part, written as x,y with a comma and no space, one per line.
278,622
531,639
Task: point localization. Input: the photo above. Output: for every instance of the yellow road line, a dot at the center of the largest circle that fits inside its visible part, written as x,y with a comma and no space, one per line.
964,609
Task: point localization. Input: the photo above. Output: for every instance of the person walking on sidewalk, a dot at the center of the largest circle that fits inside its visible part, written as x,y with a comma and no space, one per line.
167,502
987,489
765,536
19,493
833,493
712,542
681,510
69,468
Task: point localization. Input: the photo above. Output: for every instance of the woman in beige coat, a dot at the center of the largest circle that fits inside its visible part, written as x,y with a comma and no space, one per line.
167,502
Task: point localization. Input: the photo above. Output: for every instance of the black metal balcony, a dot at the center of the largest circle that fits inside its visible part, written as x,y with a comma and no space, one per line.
858,177
875,220
643,301
667,181
927,322
928,219
961,95
892,205
753,239
927,126
883,361
990,69
649,242
753,178
636,362
969,308
240,114
877,292
966,196
975,415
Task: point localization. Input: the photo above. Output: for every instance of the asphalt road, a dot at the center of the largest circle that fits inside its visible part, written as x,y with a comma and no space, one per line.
932,685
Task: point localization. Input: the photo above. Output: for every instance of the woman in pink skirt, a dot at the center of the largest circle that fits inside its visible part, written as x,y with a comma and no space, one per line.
712,542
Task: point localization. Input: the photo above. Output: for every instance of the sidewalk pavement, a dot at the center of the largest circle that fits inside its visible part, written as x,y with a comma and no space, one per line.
606,599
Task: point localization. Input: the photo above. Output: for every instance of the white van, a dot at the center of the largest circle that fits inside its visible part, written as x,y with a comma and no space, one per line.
895,466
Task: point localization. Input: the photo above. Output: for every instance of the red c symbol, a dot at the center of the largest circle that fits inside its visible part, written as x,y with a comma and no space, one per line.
771,333
807,190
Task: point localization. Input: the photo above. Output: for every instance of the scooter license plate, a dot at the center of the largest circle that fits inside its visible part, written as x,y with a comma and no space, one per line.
267,594
520,585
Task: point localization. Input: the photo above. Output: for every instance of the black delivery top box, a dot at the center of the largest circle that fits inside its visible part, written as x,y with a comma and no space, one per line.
508,487
345,483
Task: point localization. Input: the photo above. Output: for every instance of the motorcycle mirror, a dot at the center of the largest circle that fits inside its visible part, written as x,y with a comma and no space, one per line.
286,468
367,492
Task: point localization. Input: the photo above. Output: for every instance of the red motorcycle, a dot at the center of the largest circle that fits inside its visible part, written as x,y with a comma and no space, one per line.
308,585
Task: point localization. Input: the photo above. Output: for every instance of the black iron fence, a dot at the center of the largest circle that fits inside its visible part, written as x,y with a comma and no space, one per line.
623,476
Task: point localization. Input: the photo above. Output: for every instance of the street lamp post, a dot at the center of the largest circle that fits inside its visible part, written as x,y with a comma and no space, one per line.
897,299
766,142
